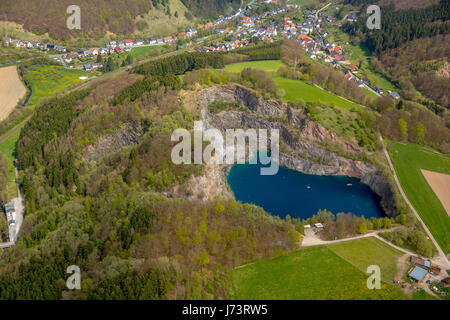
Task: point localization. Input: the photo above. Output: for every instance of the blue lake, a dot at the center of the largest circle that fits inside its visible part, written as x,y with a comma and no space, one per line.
301,195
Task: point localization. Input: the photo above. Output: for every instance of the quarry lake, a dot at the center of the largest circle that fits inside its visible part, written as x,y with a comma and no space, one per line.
302,195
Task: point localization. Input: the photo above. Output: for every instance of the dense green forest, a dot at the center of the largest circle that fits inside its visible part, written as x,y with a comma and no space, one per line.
180,64
401,26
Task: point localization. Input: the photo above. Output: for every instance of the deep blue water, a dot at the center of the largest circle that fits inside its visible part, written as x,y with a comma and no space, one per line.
301,195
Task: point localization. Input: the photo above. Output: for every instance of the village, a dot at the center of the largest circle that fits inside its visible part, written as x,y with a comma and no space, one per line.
310,34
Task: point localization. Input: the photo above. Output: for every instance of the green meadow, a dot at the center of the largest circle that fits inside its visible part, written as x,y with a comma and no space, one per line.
8,147
297,89
266,65
313,273
369,251
408,159
143,52
46,80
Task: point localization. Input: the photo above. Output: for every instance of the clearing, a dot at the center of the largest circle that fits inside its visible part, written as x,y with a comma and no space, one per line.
11,90
409,160
440,183
297,89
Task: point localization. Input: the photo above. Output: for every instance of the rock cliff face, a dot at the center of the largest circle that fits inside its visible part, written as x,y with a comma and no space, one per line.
305,153
128,134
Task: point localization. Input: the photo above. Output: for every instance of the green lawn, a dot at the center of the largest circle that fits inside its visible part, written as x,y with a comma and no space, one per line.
369,251
297,89
311,273
266,65
408,160
48,80
142,52
8,148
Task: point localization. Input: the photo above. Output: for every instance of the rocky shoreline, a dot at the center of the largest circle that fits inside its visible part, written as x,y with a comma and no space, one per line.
306,155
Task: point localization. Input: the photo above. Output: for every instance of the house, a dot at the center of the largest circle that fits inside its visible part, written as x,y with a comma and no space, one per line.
87,67
168,39
353,16
307,226
60,48
103,51
94,51
152,41
421,262
349,76
10,212
418,274
7,40
353,68
117,50
97,65
394,95
128,43
139,42
50,46
318,225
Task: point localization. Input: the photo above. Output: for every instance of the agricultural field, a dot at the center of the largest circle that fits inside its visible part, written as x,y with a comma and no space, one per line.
11,90
297,89
8,147
408,160
313,273
48,80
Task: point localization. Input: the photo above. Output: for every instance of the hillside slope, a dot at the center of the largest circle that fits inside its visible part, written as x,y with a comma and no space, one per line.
98,17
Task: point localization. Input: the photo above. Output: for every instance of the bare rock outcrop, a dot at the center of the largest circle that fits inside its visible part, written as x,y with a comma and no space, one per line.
127,135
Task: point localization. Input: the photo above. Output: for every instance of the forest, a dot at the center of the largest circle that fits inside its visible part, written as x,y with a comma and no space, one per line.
116,16
180,64
401,26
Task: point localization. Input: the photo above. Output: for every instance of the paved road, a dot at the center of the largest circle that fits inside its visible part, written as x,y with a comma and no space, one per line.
442,256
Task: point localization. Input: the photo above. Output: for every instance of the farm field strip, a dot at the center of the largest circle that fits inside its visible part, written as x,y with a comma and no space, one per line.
409,160
11,90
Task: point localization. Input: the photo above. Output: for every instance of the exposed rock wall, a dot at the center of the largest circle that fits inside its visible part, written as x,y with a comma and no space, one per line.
307,155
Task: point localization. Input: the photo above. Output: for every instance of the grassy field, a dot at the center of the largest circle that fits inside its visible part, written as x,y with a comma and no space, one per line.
408,160
296,89
8,147
369,251
266,65
311,273
48,80
143,52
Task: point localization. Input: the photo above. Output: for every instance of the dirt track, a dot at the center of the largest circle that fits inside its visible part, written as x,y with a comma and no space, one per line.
440,183
11,90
